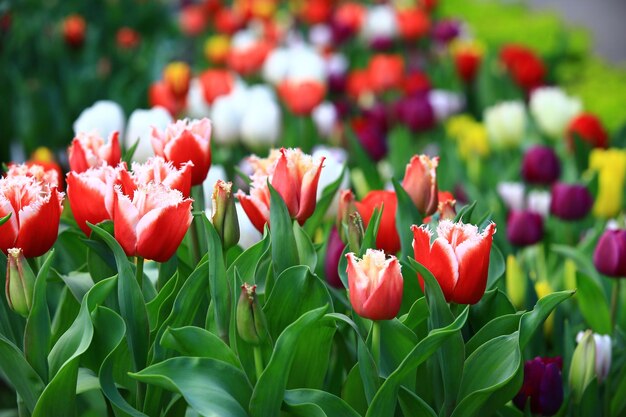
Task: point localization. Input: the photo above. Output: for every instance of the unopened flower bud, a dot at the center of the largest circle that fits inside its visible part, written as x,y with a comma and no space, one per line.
355,232
251,323
224,217
346,208
582,369
20,282
603,354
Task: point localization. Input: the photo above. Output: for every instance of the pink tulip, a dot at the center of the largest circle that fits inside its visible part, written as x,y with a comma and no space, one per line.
375,285
89,150
420,182
185,141
160,171
48,176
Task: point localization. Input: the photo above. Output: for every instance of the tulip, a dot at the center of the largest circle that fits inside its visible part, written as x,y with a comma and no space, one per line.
160,171
610,165
88,150
91,195
445,206
582,368
261,124
512,194
151,220
467,58
74,28
543,386
293,174
413,23
416,83
458,258
192,20
416,112
139,129
358,84
420,183
127,38
380,25
516,282
216,49
41,173
35,210
228,21
524,227
588,128
445,103
20,282
539,201
570,201
197,107
247,53
506,123
177,76
553,110
301,97
326,118
251,322
541,165
186,141
216,83
375,284
334,249
387,238
346,207
609,257
526,68
160,94
385,72
224,216
348,18
603,354
446,30
104,117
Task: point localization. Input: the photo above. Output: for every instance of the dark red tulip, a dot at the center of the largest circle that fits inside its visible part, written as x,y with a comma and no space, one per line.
570,201
543,386
541,165
609,256
524,228
333,255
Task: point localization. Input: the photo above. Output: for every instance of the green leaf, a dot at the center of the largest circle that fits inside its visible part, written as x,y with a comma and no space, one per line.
313,403
324,202
284,248
384,403
37,332
465,214
211,387
4,219
496,266
406,216
533,319
19,373
128,155
593,305
417,314
166,294
369,239
583,262
194,341
494,303
130,298
499,326
269,391
414,406
306,249
218,285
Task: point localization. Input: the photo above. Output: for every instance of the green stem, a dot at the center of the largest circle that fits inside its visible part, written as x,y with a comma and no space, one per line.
140,272
615,302
258,362
195,242
376,342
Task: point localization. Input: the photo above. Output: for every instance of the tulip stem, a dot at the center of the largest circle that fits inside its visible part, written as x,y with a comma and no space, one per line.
614,302
376,342
258,362
140,272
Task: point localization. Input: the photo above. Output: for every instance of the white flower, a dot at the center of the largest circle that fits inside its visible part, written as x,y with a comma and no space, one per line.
325,118
140,127
512,193
248,234
104,117
445,103
337,64
506,123
305,64
539,202
553,110
276,66
226,114
261,124
333,166
603,354
197,107
380,23
321,36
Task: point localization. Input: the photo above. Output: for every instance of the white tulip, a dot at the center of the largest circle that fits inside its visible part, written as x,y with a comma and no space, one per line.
333,167
512,193
261,124
552,109
325,118
104,117
321,36
140,126
445,103
539,202
337,64
380,23
276,66
197,107
603,354
506,123
226,114
306,64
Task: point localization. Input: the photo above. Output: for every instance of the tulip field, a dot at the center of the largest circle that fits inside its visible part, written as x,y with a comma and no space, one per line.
309,208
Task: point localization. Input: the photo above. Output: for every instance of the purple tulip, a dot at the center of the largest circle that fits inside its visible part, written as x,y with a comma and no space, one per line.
333,255
446,30
378,114
609,256
570,201
416,112
524,228
541,165
371,136
543,386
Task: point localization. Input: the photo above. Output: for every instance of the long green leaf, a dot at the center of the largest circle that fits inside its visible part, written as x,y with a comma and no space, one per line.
19,373
309,402
284,249
220,294
406,215
194,341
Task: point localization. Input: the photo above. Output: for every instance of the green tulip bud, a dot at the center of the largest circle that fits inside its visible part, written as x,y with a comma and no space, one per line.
251,324
224,217
582,369
355,232
20,282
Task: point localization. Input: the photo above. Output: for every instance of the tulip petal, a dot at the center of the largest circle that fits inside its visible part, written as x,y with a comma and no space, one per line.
473,259
384,301
160,231
258,213
127,183
114,150
308,193
39,225
186,148
438,258
87,200
285,185
181,180
125,219
77,157
9,230
358,284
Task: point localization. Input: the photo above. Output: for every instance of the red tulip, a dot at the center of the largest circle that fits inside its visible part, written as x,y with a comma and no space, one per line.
445,207
74,28
301,97
159,171
385,72
375,285
415,83
458,258
526,68
49,175
358,84
152,222
249,59
215,83
387,238
413,23
193,20
350,15
420,183
185,141
588,128
160,94
293,174
127,38
228,21
467,64
91,195
35,210
88,150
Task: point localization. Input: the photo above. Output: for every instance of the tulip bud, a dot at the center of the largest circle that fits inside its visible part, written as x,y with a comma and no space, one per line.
609,256
333,256
543,386
583,365
356,232
346,208
177,76
20,282
225,214
524,228
541,165
251,324
420,183
74,28
515,282
603,354
570,201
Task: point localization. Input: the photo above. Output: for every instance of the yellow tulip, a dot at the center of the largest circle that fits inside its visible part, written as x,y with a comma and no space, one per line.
515,282
543,288
610,164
